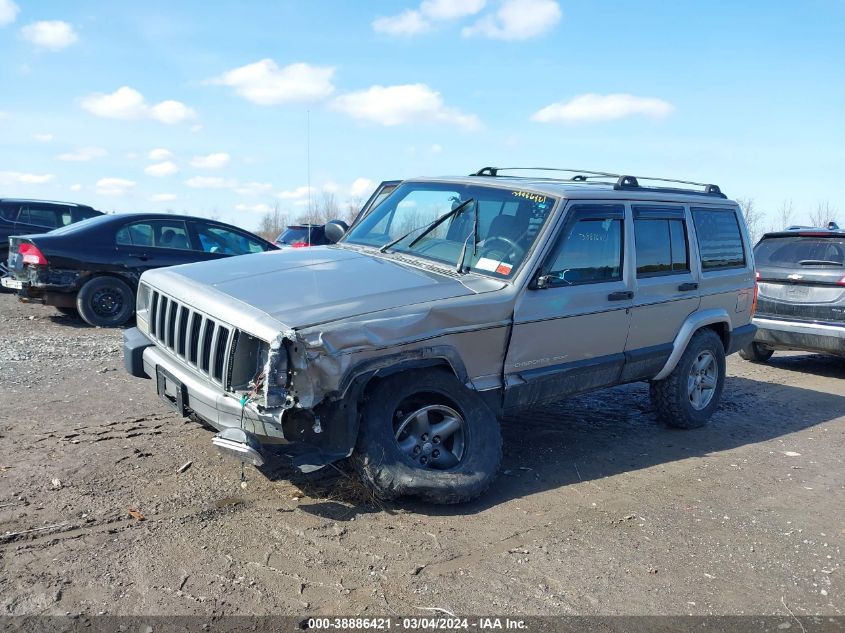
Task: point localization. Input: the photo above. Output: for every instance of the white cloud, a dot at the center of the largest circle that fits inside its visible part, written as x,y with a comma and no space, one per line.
8,12
361,187
160,170
254,208
53,35
395,105
159,154
76,187
128,104
210,182
594,107
265,83
44,137
212,161
517,20
254,188
163,197
20,178
416,21
406,23
114,186
83,154
171,112
297,194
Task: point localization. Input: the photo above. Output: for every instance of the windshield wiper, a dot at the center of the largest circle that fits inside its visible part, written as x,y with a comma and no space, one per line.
428,227
819,262
474,235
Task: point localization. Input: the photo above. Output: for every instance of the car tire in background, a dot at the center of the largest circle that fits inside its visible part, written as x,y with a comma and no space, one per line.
106,302
424,434
756,353
687,397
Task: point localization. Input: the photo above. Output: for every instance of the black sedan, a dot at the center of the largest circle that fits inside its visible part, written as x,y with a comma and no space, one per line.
93,266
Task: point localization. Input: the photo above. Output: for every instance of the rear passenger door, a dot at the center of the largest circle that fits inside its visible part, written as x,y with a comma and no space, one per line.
666,291
149,244
570,328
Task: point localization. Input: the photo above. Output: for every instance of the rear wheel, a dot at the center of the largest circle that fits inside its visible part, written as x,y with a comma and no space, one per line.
687,397
425,434
756,353
106,302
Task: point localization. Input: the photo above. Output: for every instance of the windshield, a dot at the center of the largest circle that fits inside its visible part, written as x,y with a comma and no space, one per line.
508,223
791,251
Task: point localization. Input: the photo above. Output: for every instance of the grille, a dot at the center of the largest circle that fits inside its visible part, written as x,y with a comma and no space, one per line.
202,342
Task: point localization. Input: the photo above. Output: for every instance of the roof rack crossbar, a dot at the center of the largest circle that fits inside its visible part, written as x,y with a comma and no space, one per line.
623,181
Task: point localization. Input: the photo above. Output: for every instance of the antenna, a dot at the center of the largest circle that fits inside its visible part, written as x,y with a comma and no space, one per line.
308,156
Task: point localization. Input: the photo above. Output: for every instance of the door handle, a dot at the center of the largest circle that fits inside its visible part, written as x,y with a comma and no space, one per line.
690,285
622,295
142,256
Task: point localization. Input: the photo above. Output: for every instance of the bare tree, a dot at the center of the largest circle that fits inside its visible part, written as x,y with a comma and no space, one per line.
272,223
784,214
753,218
822,214
353,206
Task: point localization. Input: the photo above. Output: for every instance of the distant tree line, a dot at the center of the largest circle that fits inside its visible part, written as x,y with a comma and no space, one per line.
324,208
760,222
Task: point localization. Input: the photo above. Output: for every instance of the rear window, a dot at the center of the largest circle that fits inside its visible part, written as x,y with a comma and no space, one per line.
294,234
719,238
794,250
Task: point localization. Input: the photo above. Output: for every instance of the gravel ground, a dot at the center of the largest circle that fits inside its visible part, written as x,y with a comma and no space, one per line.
598,510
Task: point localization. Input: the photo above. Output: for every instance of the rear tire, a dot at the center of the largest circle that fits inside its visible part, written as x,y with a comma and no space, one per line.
687,397
424,434
106,302
756,353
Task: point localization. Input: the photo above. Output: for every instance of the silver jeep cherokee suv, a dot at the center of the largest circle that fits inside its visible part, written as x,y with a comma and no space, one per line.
450,303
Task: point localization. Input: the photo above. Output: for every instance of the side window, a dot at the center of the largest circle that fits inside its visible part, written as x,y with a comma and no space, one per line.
9,211
590,250
661,243
48,217
158,233
216,239
719,238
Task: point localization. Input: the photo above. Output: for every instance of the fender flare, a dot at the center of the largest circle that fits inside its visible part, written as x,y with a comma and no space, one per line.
693,323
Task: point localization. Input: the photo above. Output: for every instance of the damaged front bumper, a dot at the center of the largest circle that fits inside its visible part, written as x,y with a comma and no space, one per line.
244,426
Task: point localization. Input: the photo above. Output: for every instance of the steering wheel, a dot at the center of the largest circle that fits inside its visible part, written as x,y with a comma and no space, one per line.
512,247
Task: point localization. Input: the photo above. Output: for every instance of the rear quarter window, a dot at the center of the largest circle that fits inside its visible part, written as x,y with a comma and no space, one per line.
719,238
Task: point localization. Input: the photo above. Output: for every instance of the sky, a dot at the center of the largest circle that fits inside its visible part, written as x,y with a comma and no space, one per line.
227,109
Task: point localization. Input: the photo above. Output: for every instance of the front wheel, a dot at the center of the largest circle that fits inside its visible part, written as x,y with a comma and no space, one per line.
106,302
687,397
756,353
424,434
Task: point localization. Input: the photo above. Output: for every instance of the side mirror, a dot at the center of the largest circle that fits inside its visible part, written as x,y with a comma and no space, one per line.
335,229
541,281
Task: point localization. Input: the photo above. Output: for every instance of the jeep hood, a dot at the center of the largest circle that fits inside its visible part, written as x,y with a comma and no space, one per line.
308,286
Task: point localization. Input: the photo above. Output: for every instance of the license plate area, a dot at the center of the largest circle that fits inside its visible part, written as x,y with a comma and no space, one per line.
9,282
171,390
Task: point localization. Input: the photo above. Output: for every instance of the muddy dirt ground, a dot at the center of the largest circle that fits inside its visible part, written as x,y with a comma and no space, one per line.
598,509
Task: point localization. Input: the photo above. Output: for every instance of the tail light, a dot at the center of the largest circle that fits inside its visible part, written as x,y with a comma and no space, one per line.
756,291
300,244
31,255
841,282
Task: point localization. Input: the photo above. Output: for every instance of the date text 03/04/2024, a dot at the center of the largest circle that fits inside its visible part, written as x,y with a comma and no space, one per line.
417,623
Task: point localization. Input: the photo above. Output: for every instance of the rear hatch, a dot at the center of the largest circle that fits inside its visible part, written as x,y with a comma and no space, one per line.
802,276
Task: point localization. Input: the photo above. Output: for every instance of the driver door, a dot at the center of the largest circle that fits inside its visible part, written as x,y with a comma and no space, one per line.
570,329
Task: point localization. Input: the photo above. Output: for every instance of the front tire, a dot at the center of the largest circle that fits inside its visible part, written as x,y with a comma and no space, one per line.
106,302
424,434
687,398
756,353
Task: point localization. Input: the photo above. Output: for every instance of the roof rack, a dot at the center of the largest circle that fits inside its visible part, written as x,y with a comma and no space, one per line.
623,181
